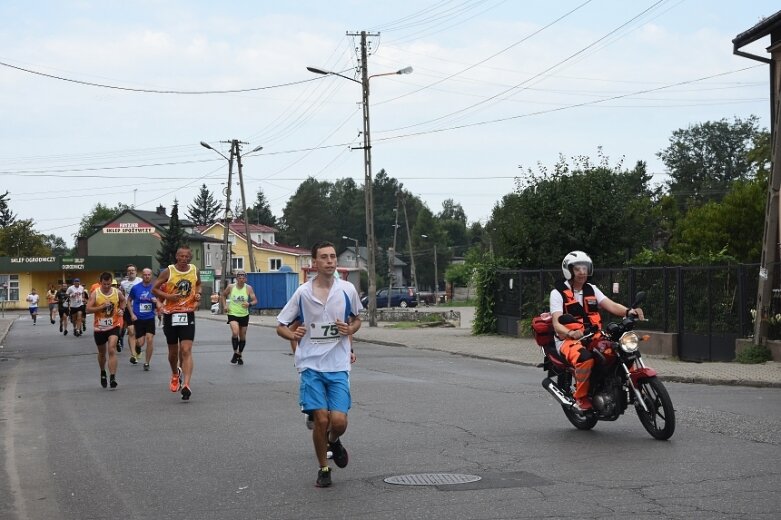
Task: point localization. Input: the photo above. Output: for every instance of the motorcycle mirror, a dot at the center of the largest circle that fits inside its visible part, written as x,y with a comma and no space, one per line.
566,319
639,297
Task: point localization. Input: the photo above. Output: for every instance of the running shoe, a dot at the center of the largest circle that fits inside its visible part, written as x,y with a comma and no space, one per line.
186,393
146,367
174,386
103,380
133,360
239,360
60,327
235,358
65,333
310,421
52,322
323,477
113,382
339,453
138,350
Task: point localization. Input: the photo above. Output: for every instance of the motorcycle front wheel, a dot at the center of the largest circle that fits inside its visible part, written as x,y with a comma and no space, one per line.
659,421
579,421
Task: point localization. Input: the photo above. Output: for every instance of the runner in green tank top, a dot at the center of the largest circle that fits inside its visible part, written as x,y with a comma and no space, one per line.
237,299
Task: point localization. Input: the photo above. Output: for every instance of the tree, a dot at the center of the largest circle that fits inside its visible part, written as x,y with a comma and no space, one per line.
204,209
452,220
7,217
21,239
732,227
704,159
599,209
260,212
172,239
307,216
56,244
99,214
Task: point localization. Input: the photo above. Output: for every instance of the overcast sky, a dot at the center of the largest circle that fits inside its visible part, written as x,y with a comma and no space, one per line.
497,84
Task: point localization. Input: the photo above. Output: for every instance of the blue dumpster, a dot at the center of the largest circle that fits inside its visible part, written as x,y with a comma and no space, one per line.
273,289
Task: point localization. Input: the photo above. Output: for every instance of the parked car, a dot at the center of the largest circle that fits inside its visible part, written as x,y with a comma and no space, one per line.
401,297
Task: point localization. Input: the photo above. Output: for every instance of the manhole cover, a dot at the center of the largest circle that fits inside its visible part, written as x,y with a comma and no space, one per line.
431,479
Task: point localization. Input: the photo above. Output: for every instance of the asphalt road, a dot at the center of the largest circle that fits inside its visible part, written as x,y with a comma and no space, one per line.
239,448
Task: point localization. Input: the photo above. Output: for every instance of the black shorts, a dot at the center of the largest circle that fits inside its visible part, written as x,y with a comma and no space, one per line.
64,311
243,321
126,319
144,327
101,336
175,334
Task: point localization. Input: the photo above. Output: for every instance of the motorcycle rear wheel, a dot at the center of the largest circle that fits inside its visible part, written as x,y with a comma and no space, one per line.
659,421
579,421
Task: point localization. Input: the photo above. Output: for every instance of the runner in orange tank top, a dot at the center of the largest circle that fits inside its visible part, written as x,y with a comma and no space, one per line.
179,287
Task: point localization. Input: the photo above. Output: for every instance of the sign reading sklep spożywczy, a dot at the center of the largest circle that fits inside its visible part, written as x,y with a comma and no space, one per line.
129,227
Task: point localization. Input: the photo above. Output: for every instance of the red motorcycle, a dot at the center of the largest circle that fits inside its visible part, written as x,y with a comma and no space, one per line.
619,379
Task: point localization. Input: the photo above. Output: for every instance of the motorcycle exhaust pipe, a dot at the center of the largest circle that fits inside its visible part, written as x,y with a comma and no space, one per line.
556,392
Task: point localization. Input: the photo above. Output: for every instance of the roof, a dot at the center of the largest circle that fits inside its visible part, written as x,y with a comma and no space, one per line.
237,228
766,26
158,220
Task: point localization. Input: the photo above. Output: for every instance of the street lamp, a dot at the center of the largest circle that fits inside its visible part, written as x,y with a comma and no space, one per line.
371,245
344,237
436,281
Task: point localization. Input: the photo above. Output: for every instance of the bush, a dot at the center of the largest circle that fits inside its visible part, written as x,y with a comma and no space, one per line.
754,354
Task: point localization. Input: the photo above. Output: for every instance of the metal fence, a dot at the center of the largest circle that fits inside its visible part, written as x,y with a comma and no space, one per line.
707,306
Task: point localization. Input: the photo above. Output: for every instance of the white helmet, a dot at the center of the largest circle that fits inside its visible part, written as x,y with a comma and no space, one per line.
574,258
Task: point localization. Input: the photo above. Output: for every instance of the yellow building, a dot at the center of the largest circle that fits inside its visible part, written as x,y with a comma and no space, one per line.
270,256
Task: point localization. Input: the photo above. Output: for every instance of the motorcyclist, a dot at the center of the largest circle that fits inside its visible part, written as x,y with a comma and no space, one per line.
582,300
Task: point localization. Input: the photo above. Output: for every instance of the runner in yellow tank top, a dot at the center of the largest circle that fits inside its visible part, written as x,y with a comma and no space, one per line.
179,286
237,298
107,303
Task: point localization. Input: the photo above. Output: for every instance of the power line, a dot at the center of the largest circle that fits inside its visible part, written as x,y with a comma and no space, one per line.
154,91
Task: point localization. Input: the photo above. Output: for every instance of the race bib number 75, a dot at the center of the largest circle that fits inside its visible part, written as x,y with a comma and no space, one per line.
323,333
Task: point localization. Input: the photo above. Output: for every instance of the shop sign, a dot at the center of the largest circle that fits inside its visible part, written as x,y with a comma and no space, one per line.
129,227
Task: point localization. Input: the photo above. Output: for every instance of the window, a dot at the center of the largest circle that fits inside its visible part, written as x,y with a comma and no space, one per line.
9,287
208,259
237,262
274,264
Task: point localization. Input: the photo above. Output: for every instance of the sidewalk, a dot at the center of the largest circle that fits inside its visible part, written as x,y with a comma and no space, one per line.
459,341
523,351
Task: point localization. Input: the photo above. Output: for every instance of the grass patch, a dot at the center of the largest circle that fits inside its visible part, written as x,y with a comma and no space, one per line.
754,354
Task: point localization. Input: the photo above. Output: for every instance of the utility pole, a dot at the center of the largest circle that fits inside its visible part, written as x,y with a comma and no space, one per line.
371,245
436,278
413,277
250,248
226,224
392,255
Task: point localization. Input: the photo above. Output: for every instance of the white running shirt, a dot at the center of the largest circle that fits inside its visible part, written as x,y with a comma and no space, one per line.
322,348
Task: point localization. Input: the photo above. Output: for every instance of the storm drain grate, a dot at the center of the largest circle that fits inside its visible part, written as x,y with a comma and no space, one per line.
431,479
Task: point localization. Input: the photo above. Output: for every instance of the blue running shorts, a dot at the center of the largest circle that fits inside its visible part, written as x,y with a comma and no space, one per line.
324,391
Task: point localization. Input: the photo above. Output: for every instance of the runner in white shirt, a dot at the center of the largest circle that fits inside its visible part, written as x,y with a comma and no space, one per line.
326,308
126,285
77,303
32,303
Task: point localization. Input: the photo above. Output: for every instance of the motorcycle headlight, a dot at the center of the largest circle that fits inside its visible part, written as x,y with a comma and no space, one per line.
629,342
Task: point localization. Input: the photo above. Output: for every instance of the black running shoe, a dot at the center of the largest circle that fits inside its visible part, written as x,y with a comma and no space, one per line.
65,332
133,360
113,383
239,360
186,393
339,453
138,350
235,358
323,477
60,327
103,380
52,322
146,367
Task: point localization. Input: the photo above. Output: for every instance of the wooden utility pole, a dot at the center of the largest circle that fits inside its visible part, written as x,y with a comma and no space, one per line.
250,247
